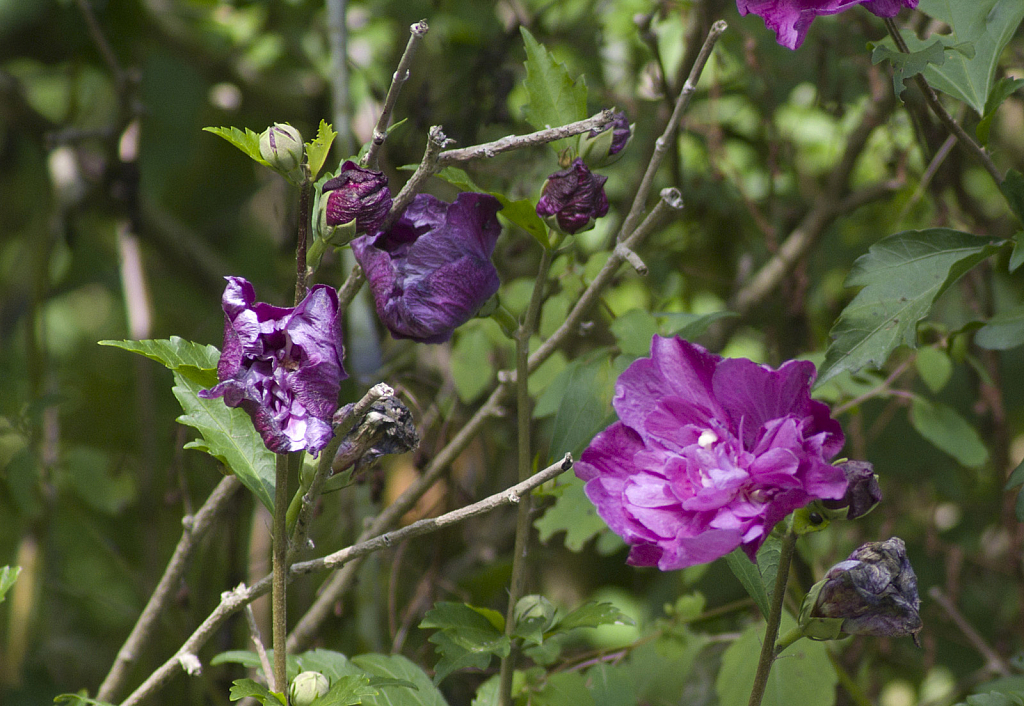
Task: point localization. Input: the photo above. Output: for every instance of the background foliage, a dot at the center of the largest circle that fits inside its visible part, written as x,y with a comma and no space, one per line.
93,477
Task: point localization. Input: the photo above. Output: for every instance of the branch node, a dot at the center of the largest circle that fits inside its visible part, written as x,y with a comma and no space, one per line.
513,497
190,664
632,258
673,198
419,28
567,462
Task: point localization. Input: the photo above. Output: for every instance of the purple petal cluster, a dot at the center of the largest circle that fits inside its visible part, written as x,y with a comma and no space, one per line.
360,195
282,365
573,198
790,19
708,454
432,270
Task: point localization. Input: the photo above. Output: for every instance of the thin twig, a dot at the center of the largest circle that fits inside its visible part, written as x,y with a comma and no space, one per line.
232,601
874,392
940,111
380,132
662,144
436,141
992,658
100,40
257,640
195,529
927,176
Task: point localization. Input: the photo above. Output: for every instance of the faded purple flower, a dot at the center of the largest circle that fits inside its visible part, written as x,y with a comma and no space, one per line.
282,365
360,195
432,270
603,146
790,19
708,454
862,490
573,199
872,592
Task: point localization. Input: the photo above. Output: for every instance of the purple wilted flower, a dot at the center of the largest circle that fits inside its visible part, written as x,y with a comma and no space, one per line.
573,199
872,592
432,270
603,146
790,19
708,454
359,195
862,490
282,365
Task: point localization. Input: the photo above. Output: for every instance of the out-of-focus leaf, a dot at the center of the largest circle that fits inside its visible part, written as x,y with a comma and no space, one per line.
522,212
634,331
1012,189
471,364
247,141
318,148
1017,478
902,276
555,97
193,360
934,367
1004,88
995,698
8,575
592,615
948,431
691,326
1003,331
572,513
79,700
988,25
585,404
803,675
229,436
422,691
562,689
906,66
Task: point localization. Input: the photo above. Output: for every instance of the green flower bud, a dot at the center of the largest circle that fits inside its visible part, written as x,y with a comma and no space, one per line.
604,146
281,145
307,687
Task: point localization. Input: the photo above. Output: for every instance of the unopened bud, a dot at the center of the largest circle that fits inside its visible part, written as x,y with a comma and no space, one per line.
359,196
873,592
307,687
281,145
603,146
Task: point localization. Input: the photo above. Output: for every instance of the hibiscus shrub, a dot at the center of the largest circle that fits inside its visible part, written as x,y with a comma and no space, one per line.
689,333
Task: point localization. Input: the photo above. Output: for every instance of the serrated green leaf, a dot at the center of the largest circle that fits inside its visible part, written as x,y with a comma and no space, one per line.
572,513
901,277
247,141
195,361
986,24
1004,88
934,367
905,66
555,98
1003,331
460,616
347,691
749,576
229,436
8,575
318,148
247,688
948,431
422,691
592,615
465,638
803,675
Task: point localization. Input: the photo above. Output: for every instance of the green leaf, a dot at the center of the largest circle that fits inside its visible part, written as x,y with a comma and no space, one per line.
934,367
533,616
633,331
1003,331
318,149
410,685
562,689
348,690
906,66
472,363
1012,189
1004,88
995,698
902,276
1017,478
691,326
948,431
585,407
466,638
193,360
768,562
8,575
572,513
803,675
1017,256
749,576
248,141
247,688
592,615
555,98
79,700
229,436
988,25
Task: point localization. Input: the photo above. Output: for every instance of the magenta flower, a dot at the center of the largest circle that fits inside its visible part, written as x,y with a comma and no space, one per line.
432,270
790,19
357,194
282,365
709,454
572,199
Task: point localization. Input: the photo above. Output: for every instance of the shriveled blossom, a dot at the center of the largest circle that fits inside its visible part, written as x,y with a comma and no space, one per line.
708,454
790,19
432,270
573,199
357,194
282,365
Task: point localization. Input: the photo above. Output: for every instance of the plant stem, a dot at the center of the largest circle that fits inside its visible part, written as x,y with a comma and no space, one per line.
518,579
764,663
302,235
280,581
